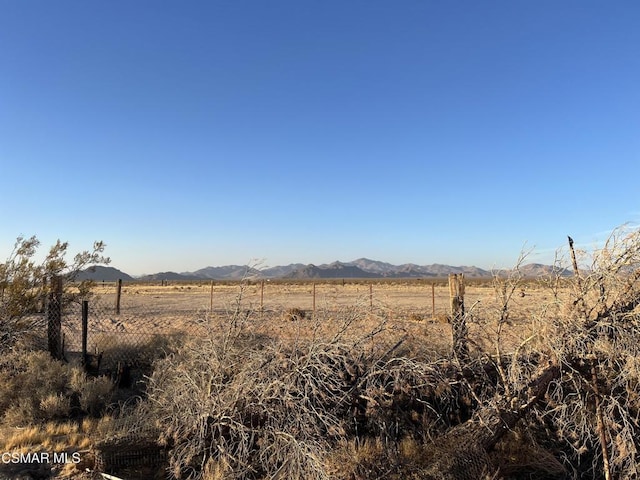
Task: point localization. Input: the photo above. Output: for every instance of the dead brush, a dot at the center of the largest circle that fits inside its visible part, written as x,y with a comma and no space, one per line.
237,405
374,458
593,411
295,314
443,318
228,407
268,411
37,389
569,376
405,397
521,454
232,408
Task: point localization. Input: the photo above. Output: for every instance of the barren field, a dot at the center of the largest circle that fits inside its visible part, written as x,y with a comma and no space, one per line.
399,299
413,310
353,380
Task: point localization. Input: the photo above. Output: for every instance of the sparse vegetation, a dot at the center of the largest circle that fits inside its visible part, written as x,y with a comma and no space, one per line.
37,389
24,284
295,314
547,390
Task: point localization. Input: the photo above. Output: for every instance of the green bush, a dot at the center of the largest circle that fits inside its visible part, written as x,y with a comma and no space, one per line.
24,284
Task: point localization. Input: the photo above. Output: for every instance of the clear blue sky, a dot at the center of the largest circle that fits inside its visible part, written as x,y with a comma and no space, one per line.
188,134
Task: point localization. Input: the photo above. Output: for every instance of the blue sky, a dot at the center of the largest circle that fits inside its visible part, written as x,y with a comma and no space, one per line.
188,134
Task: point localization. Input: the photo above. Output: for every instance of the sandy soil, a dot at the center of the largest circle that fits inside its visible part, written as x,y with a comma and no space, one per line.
410,310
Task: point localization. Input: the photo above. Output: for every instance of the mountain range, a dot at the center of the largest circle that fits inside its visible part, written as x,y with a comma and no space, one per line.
360,268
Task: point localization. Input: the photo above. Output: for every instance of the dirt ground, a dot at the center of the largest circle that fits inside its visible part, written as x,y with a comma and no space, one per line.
415,310
401,297
407,318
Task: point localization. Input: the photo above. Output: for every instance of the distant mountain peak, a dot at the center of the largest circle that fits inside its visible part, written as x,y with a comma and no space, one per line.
100,273
360,268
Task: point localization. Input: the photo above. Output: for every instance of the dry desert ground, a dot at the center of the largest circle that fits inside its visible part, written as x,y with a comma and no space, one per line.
415,310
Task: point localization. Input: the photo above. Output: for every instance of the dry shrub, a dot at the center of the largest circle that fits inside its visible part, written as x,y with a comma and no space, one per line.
55,406
594,410
239,405
443,318
37,388
589,416
520,454
19,414
295,314
29,378
407,397
95,395
374,458
256,412
587,422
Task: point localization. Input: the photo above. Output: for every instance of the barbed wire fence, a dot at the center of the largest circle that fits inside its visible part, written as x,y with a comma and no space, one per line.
122,329
126,327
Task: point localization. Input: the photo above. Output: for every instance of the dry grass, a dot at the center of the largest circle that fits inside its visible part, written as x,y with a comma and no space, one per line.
369,389
36,389
241,403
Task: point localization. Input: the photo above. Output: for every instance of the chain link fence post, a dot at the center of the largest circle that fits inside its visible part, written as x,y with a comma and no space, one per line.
54,318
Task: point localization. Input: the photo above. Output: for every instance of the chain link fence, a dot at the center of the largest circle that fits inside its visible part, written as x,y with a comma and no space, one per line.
116,343
129,328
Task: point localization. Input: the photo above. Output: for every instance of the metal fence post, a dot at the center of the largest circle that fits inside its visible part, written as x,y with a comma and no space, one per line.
433,300
85,324
370,296
314,299
261,298
211,299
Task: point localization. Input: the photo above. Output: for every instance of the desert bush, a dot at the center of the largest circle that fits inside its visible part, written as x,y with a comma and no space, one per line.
295,314
560,401
139,350
95,394
36,389
589,416
239,405
374,458
23,285
258,412
245,407
571,385
55,406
